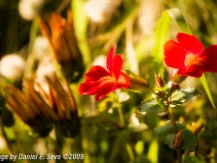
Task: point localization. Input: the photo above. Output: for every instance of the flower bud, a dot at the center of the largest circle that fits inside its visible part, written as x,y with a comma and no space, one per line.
99,11
159,81
178,139
43,110
177,79
137,82
63,45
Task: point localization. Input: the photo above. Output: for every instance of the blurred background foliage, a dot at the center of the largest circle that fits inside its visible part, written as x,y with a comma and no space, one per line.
110,130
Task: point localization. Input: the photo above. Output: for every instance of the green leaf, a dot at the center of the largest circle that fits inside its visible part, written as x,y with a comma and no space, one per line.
161,31
192,159
164,130
183,95
176,15
167,128
188,140
151,119
150,106
81,24
206,87
170,138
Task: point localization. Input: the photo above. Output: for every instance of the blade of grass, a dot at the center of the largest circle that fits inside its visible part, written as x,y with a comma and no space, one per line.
81,25
162,30
31,58
207,90
176,15
160,37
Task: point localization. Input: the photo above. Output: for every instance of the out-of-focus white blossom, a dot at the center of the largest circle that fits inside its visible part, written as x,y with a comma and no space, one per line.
12,67
3,144
41,48
100,60
45,69
29,9
149,13
134,120
101,10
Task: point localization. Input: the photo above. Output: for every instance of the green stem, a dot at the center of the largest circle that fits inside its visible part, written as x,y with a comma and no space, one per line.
179,155
3,133
30,63
121,117
175,130
85,144
173,88
62,6
172,119
130,152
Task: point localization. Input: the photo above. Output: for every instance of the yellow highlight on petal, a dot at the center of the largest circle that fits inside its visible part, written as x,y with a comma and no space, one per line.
192,59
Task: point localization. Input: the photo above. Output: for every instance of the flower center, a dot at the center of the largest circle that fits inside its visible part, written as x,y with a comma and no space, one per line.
192,59
106,81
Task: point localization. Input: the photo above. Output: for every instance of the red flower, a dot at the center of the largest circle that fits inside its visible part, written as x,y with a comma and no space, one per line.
188,56
101,82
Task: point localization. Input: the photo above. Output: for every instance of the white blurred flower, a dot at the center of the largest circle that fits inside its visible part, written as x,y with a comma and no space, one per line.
45,69
123,96
100,60
40,146
150,12
100,10
29,9
3,144
134,120
12,67
41,48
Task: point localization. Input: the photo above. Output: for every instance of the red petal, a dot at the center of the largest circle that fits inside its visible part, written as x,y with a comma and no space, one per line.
95,73
123,81
109,62
174,54
190,43
89,88
210,61
193,71
114,64
117,66
105,91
